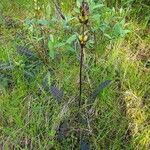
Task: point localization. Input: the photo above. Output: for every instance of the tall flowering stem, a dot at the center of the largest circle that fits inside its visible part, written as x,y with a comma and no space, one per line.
83,38
83,19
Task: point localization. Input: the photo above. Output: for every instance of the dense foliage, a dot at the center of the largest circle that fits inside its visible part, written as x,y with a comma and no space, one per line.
39,75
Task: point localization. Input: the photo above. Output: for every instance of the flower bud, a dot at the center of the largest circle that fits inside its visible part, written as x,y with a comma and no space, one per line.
83,19
84,9
83,39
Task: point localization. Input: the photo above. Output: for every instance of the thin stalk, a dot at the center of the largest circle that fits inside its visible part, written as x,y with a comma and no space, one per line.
58,9
82,44
80,88
81,68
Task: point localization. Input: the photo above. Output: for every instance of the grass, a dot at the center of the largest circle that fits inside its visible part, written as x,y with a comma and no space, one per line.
33,114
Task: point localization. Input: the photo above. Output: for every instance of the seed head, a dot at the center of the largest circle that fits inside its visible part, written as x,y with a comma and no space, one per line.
84,9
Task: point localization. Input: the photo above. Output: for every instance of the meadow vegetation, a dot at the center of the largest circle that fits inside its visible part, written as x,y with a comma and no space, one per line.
39,75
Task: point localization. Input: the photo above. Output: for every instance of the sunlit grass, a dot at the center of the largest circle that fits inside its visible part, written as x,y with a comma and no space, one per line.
29,114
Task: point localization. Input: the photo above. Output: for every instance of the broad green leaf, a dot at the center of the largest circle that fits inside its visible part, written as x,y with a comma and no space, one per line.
117,29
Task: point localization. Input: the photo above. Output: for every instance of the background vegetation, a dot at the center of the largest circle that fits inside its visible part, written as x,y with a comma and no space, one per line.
39,75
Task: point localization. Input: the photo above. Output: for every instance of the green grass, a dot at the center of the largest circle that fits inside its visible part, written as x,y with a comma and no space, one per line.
117,50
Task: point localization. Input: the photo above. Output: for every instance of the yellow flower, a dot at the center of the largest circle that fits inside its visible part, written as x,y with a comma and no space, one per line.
83,39
83,19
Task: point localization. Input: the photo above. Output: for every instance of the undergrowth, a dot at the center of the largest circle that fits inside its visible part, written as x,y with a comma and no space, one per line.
39,75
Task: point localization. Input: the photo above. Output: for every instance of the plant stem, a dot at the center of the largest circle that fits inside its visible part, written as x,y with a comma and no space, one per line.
80,76
81,68
80,88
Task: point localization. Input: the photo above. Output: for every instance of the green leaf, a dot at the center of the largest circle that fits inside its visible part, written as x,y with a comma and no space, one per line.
96,17
70,48
71,39
51,49
3,83
49,78
42,22
118,29
76,10
97,6
78,3
103,27
108,36
60,45
52,38
48,10
122,22
52,133
126,31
